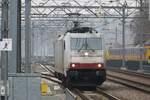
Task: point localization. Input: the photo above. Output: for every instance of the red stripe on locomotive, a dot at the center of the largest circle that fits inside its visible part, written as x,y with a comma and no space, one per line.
86,65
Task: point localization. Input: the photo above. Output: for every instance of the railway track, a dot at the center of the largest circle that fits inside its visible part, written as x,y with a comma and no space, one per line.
80,94
97,94
47,69
111,97
100,93
135,80
133,73
53,79
49,75
130,83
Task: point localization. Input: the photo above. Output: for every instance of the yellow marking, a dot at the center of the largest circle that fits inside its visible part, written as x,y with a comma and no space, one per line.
44,88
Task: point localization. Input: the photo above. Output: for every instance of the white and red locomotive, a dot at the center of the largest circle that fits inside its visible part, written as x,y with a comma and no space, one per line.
79,57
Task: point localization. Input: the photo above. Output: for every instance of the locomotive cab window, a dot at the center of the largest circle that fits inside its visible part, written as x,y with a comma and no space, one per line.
86,44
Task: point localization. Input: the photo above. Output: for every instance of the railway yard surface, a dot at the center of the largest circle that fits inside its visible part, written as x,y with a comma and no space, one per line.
55,92
120,85
74,49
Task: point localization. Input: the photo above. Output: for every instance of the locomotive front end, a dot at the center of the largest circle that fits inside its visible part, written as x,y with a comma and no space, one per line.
86,67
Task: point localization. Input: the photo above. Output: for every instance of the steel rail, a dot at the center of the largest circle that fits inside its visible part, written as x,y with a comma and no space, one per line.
48,69
98,91
48,78
79,93
147,85
48,75
129,83
109,96
70,95
130,73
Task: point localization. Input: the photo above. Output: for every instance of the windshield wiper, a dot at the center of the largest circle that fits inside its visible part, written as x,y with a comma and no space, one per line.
90,48
86,48
83,45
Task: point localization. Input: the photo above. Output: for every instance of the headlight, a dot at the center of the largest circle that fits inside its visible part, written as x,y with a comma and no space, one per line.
86,53
99,65
73,65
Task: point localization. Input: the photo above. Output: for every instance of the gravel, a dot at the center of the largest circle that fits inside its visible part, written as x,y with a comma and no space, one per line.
123,92
92,95
130,77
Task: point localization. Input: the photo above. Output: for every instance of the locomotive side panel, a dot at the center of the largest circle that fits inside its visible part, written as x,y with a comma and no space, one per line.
59,56
66,52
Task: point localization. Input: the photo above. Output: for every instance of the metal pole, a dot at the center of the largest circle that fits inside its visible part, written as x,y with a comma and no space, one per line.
41,45
141,39
33,39
19,37
27,36
42,49
4,74
116,34
123,37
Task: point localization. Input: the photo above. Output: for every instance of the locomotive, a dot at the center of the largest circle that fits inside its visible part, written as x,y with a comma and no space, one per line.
79,57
